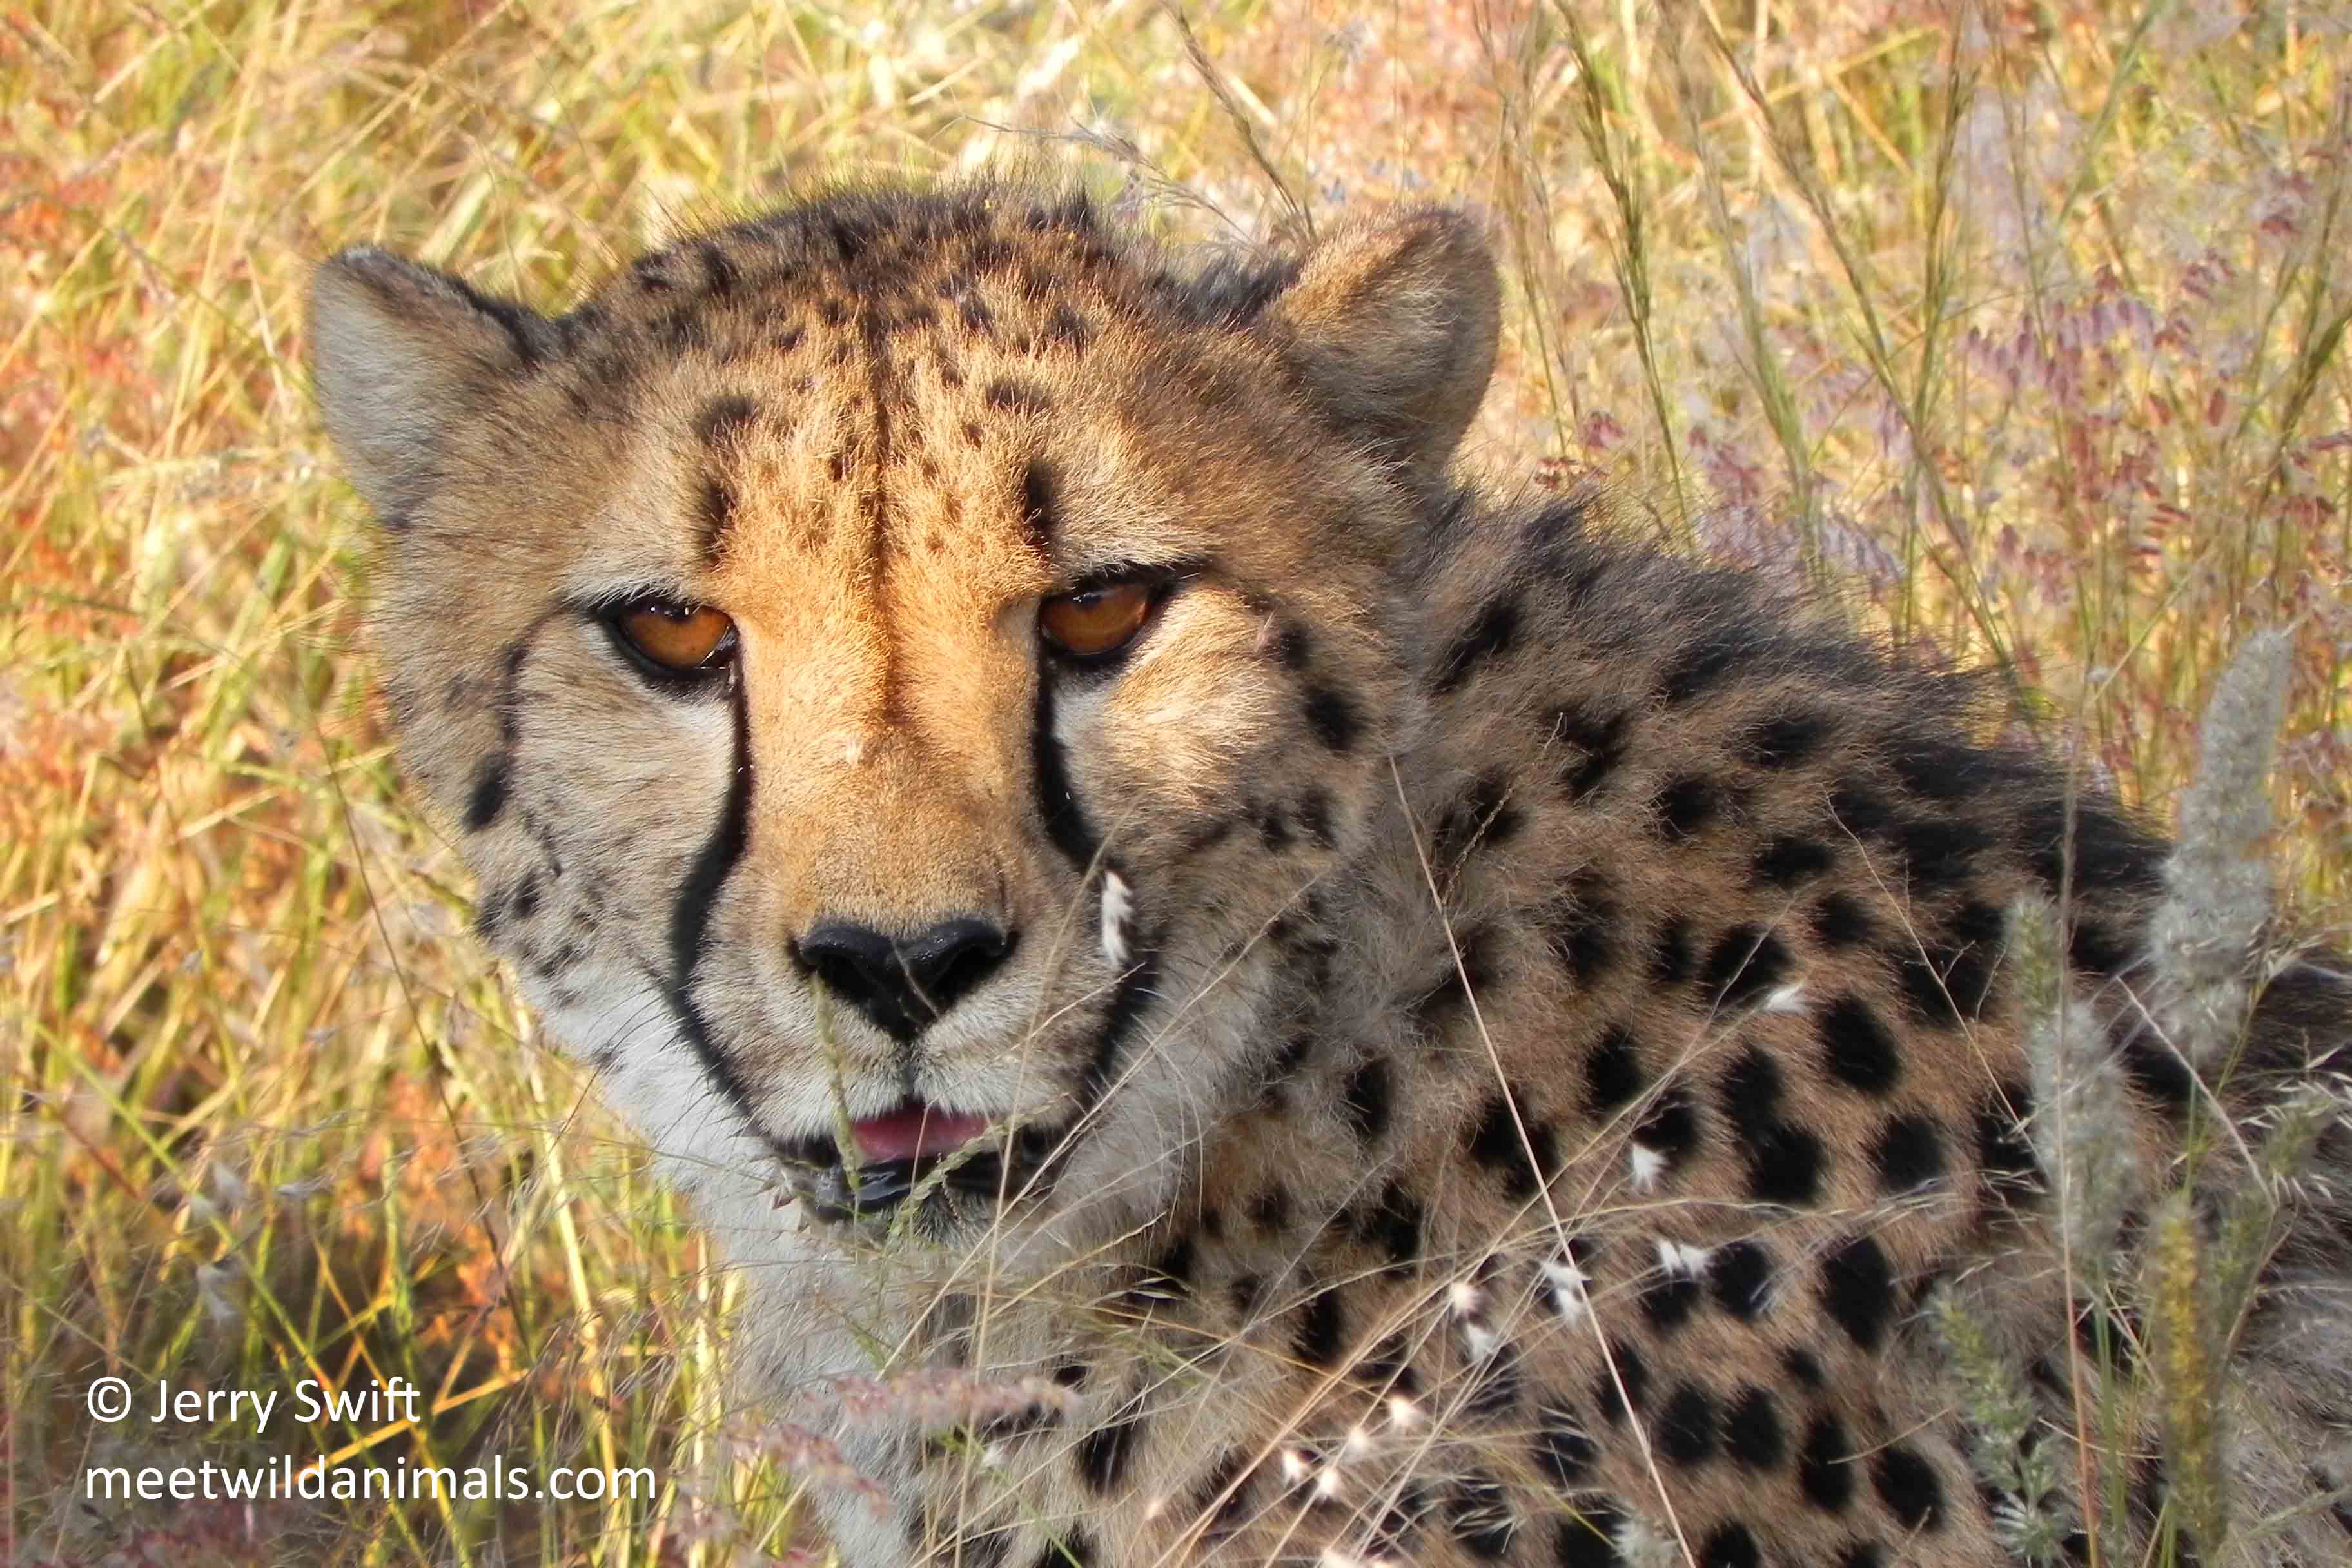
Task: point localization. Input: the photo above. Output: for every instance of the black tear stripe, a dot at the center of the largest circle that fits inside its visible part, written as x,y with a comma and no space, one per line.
689,919
1057,805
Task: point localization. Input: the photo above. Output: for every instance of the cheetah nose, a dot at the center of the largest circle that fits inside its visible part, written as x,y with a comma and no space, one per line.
903,986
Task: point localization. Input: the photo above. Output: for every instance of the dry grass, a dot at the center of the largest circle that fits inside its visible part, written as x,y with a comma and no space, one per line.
2021,325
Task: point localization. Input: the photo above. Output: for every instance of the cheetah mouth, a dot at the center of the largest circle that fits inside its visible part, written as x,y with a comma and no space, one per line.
913,1148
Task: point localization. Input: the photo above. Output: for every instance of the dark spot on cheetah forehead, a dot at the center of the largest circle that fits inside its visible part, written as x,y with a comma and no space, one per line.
1018,396
714,512
724,420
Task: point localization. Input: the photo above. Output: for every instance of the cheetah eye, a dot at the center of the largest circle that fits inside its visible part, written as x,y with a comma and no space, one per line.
674,638
1097,622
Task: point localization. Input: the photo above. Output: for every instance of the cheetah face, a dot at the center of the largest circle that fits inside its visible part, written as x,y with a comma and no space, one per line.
892,662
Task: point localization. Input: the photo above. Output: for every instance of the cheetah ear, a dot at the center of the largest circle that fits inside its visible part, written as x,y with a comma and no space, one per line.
1392,320
400,353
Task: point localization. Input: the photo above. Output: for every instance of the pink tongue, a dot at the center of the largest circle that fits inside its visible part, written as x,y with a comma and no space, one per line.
910,1134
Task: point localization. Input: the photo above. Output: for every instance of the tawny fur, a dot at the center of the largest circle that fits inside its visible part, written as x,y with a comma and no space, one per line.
1520,1026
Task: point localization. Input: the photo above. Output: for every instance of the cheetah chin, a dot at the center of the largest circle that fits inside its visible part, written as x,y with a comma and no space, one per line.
1308,1009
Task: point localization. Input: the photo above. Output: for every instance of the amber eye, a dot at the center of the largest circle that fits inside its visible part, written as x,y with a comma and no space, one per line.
678,637
1094,622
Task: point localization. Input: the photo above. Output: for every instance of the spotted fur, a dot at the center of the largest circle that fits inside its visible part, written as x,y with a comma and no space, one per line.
1495,1033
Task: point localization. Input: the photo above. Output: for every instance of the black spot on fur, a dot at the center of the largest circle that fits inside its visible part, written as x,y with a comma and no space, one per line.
1482,819
1858,809
1745,964
1477,1511
489,794
1040,511
1687,1431
1910,1488
2158,1071
1687,805
1750,1092
1105,1452
714,510
1580,926
1939,851
1670,952
1741,1274
1671,1124
1729,1545
1784,740
1943,985
2095,949
1863,1555
1495,1141
1669,1296
1633,1372
2003,1149
1804,1368
1073,1549
2109,1338
1219,1499
1270,1210
1908,1152
1858,1290
1489,638
1313,810
1562,1449
1700,666
1017,396
1751,1430
1322,1328
1394,1226
1451,992
1937,768
1592,747
1857,1048
1171,1271
1784,1166
1789,861
1587,1539
1825,1466
723,420
1332,718
1613,1070
1067,329
1839,922
1366,1097
525,902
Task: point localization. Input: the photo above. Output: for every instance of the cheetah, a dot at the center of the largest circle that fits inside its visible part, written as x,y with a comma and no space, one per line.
1334,1015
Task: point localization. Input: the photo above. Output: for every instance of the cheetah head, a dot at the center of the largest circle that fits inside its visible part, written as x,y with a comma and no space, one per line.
891,663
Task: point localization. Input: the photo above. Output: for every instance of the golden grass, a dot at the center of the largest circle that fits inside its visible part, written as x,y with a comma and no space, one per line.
2022,326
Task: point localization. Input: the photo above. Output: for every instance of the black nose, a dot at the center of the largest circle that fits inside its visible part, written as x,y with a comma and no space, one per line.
902,986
